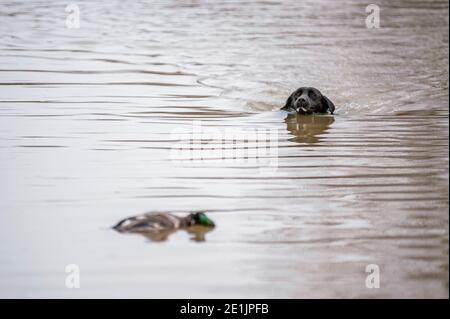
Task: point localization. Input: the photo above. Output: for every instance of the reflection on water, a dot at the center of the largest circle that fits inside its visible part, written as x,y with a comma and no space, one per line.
197,233
86,117
308,129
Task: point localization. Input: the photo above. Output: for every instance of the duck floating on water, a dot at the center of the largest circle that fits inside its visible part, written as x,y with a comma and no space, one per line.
158,227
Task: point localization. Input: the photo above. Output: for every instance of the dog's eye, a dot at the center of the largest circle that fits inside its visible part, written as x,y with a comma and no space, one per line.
311,94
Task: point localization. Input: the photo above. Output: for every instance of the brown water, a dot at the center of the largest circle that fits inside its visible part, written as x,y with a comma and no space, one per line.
86,123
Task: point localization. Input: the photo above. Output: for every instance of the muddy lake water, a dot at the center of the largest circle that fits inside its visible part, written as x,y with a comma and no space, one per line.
88,123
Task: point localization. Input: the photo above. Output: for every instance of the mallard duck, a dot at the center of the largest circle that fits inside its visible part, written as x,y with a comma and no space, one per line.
159,226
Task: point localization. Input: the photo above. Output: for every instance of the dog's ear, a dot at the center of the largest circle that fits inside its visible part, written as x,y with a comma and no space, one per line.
288,105
327,104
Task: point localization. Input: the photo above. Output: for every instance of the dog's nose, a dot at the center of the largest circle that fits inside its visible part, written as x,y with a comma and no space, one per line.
302,101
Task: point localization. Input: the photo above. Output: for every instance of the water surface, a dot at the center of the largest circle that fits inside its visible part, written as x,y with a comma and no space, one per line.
86,132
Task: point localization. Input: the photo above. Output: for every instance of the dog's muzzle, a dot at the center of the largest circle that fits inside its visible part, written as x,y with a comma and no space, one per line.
302,110
302,106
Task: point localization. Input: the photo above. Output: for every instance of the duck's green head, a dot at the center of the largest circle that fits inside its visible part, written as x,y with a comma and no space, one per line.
201,219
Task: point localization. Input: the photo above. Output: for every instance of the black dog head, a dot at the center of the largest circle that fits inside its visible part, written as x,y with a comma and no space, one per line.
308,100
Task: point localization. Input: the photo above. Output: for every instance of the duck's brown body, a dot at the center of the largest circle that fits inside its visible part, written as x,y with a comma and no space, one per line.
162,221
151,222
159,226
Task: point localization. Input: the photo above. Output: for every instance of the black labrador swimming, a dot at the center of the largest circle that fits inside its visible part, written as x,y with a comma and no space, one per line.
308,100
